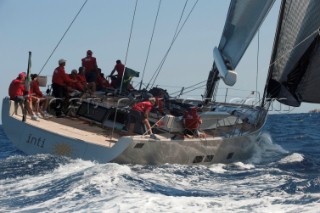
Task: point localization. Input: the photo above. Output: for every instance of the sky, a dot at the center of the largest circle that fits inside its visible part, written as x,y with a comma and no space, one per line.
104,27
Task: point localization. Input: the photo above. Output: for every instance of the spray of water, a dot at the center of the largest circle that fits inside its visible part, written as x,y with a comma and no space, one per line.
265,150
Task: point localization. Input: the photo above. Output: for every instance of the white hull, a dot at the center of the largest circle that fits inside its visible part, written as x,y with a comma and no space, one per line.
32,137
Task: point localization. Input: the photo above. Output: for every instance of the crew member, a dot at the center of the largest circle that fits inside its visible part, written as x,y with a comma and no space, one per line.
90,65
139,115
17,91
60,81
192,122
41,102
119,67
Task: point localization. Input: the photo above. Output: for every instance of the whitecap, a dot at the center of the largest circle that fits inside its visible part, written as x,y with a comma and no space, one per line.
265,150
295,157
217,168
243,166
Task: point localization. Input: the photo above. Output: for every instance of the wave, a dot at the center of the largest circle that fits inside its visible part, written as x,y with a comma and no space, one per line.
282,176
295,157
265,150
76,185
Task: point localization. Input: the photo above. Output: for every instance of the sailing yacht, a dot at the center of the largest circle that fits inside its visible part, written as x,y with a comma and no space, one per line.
95,128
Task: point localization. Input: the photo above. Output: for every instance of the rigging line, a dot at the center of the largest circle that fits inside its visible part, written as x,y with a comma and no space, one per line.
284,54
176,36
158,85
195,84
199,87
191,86
175,33
154,27
282,16
294,47
63,36
257,74
236,89
174,40
125,60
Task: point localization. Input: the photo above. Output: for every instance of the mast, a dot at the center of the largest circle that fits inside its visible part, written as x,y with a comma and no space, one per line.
27,84
212,82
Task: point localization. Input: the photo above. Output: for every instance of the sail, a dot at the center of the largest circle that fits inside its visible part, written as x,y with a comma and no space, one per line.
243,20
294,67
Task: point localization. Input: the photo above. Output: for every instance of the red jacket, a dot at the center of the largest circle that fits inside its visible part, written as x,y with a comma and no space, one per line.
144,106
60,77
76,84
90,63
16,88
120,70
82,79
35,89
101,81
191,120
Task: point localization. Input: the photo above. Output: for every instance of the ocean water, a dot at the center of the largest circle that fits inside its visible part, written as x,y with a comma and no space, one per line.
282,176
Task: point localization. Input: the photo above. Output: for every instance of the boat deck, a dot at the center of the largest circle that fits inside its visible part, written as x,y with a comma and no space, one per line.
86,130
76,128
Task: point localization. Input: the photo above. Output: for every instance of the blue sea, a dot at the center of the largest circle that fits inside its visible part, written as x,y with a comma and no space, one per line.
282,176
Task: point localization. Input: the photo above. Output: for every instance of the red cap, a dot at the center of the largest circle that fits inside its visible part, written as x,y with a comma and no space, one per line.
22,75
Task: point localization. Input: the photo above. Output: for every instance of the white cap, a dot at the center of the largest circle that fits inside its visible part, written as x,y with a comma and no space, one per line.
61,61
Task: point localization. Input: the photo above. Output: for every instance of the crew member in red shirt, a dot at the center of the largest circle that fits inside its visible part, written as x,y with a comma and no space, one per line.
82,78
101,82
76,85
34,86
119,67
60,80
138,116
192,122
17,88
40,101
90,65
17,91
